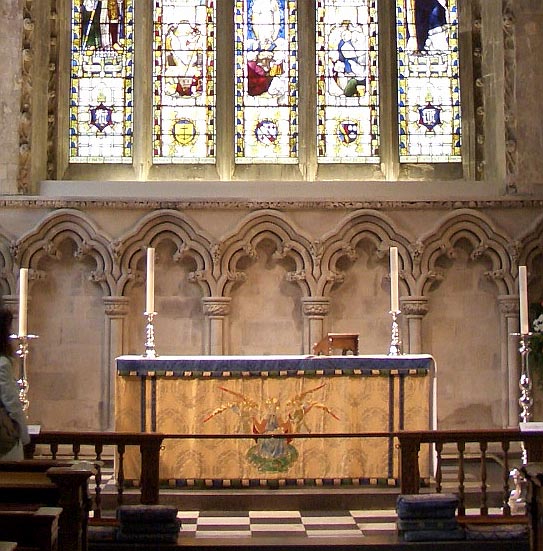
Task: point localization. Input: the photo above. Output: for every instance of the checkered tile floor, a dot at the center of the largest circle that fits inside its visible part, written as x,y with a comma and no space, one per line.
285,523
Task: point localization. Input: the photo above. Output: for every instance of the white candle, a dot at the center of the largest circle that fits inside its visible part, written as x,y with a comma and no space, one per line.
523,297
23,300
394,301
150,295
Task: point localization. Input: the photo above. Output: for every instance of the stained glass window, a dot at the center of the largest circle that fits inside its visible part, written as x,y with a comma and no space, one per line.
266,81
347,83
101,87
184,81
428,81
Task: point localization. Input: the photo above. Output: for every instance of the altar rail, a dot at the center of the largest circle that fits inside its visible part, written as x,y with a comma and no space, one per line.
505,442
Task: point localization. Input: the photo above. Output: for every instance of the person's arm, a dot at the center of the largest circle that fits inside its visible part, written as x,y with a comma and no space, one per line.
9,395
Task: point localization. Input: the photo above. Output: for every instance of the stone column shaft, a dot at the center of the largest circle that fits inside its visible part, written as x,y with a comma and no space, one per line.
510,360
413,310
315,310
216,310
116,312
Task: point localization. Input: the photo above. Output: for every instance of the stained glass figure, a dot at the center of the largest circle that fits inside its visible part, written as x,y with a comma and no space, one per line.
101,91
266,81
347,83
184,81
428,81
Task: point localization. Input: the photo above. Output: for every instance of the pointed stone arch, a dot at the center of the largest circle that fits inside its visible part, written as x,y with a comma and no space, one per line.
159,226
341,242
531,245
67,224
485,239
243,241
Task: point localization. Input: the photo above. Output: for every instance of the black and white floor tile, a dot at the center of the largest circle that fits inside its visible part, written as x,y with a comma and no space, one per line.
271,523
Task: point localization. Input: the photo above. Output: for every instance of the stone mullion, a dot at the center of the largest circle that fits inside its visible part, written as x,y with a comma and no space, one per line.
116,313
388,93
143,91
217,312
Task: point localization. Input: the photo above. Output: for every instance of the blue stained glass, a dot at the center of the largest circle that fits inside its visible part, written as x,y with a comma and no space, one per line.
101,82
428,84
347,82
266,83
184,81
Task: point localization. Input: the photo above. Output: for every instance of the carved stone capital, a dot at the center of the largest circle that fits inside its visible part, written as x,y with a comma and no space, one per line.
116,307
509,305
11,302
316,306
414,306
216,306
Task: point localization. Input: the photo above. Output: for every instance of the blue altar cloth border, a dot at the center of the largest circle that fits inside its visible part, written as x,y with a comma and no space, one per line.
272,366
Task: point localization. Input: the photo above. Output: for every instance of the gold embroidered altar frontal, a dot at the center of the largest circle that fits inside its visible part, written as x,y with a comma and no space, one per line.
244,395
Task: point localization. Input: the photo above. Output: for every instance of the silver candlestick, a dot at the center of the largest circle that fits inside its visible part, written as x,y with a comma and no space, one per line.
517,499
395,343
150,351
526,400
22,382
525,383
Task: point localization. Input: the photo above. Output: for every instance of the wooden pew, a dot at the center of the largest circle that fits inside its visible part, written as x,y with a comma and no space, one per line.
54,484
31,528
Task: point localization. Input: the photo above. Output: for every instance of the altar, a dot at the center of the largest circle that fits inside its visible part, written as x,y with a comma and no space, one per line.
275,394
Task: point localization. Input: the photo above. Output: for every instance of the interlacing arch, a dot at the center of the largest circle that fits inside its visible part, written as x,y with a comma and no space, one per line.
366,225
243,241
153,229
531,248
67,225
485,239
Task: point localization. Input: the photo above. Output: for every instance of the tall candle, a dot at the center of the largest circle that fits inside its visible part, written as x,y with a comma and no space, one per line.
523,297
394,301
150,295
23,300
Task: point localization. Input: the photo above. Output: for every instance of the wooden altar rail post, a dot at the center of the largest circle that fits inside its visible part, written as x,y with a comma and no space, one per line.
410,443
148,443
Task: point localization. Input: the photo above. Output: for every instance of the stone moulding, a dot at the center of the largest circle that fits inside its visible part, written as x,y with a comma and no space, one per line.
231,204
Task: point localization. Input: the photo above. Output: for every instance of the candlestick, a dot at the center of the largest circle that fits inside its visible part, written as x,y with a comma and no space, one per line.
22,380
523,297
394,301
395,343
23,300
150,351
150,294
525,385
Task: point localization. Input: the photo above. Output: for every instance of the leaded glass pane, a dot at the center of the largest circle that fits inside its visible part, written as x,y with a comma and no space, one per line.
184,81
347,82
266,81
428,80
101,91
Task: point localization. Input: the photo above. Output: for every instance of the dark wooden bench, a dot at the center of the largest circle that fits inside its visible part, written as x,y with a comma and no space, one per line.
53,484
32,528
